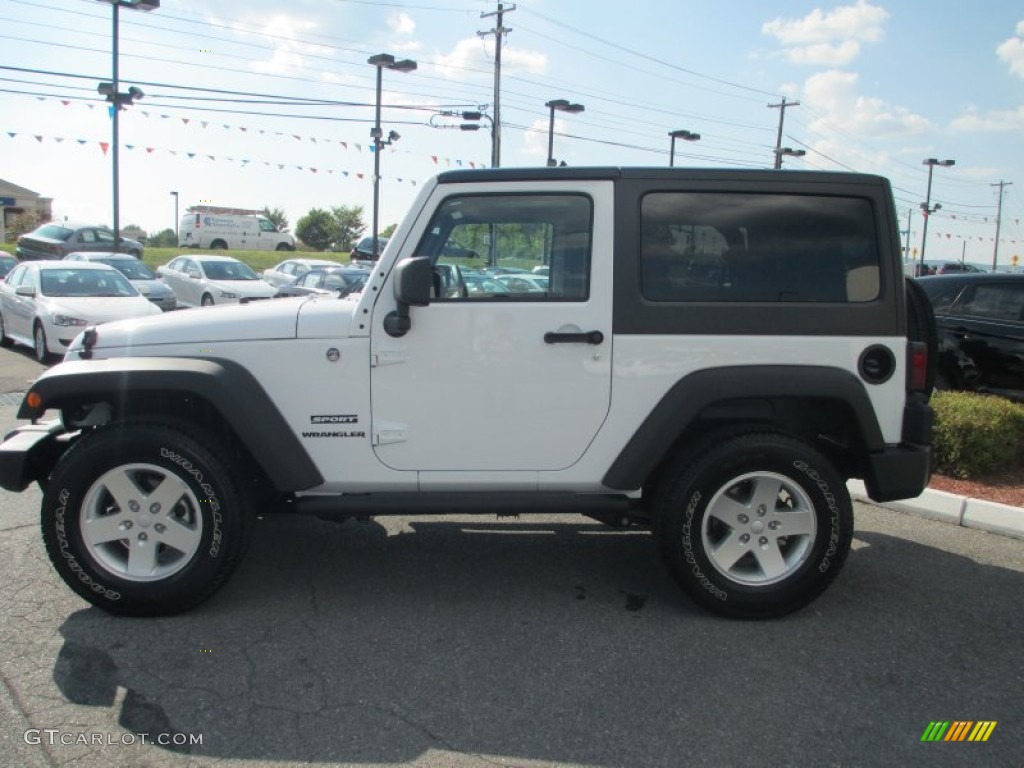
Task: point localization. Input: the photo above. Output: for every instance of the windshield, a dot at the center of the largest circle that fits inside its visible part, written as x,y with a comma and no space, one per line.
83,283
228,270
130,268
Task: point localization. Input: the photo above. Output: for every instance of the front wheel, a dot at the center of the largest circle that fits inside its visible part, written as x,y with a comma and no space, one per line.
142,520
757,526
207,300
41,347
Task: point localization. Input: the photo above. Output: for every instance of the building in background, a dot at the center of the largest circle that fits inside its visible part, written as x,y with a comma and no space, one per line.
17,201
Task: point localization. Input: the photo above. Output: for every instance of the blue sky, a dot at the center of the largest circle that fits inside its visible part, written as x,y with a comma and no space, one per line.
881,85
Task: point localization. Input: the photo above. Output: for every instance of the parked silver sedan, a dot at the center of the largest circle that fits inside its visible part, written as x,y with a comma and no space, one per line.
287,272
138,272
202,280
46,304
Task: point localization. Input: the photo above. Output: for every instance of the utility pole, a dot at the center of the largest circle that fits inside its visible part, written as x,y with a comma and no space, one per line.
782,116
999,220
499,32
906,249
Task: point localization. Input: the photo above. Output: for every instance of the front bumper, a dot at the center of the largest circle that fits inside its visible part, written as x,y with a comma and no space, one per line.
28,453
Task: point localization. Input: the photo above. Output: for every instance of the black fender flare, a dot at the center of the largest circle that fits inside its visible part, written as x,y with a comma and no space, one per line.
698,391
228,386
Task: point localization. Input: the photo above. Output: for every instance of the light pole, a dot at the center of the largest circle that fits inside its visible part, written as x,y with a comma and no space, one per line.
680,134
782,152
562,106
382,61
926,208
174,229
119,100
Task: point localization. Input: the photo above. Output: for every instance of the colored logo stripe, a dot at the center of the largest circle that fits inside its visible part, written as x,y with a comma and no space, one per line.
958,730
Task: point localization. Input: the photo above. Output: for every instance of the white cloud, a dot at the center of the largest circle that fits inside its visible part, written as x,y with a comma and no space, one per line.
471,53
996,121
285,33
1012,51
834,94
830,38
401,24
825,54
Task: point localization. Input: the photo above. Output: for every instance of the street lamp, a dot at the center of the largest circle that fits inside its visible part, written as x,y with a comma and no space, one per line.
382,61
926,209
562,106
120,100
174,229
782,152
680,134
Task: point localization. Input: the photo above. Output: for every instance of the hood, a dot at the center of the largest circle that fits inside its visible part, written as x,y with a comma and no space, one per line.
250,288
264,320
100,309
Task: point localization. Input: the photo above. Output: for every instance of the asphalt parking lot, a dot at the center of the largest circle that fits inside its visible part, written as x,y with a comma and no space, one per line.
533,641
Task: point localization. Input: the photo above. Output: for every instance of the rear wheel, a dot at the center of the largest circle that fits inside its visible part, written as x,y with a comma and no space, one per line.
284,247
142,520
5,340
756,526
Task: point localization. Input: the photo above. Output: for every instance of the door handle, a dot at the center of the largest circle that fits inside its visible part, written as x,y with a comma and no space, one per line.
589,337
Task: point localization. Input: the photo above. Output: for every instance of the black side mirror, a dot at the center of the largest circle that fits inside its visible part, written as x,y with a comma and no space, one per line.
413,281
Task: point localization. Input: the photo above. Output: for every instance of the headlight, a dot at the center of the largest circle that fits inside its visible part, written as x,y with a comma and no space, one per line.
144,290
228,295
67,320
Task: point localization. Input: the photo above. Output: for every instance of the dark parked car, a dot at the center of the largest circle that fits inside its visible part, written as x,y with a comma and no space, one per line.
57,240
7,263
364,250
326,281
980,319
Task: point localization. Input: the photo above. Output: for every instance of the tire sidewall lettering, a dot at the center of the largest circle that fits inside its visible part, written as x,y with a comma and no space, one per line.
691,556
833,508
60,528
209,497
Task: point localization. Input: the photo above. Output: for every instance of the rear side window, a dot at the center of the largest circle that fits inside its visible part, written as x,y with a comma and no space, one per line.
996,302
750,247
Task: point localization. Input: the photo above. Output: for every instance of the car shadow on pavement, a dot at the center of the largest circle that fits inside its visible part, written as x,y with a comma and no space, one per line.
562,642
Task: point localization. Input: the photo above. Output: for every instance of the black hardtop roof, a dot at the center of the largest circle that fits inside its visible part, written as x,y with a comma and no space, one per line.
661,173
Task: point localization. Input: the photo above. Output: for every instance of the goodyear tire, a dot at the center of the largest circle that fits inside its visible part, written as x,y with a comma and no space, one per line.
142,520
756,526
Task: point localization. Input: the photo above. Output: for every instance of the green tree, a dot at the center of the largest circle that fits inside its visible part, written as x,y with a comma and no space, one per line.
317,229
164,239
349,224
388,231
277,216
22,223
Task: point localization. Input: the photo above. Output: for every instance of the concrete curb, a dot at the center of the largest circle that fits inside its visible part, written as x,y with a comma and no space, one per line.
984,515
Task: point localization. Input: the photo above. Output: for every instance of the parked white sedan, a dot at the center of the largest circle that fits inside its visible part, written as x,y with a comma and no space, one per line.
202,280
45,304
287,272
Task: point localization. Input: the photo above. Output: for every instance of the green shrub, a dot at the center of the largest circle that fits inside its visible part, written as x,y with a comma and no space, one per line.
976,434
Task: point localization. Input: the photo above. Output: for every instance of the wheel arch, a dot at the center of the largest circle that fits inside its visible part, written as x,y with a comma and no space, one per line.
734,398
215,393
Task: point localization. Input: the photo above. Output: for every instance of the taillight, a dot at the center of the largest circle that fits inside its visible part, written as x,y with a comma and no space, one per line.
918,373
197,222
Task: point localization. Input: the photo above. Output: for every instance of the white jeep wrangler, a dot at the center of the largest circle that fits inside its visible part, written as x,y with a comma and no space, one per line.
713,353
